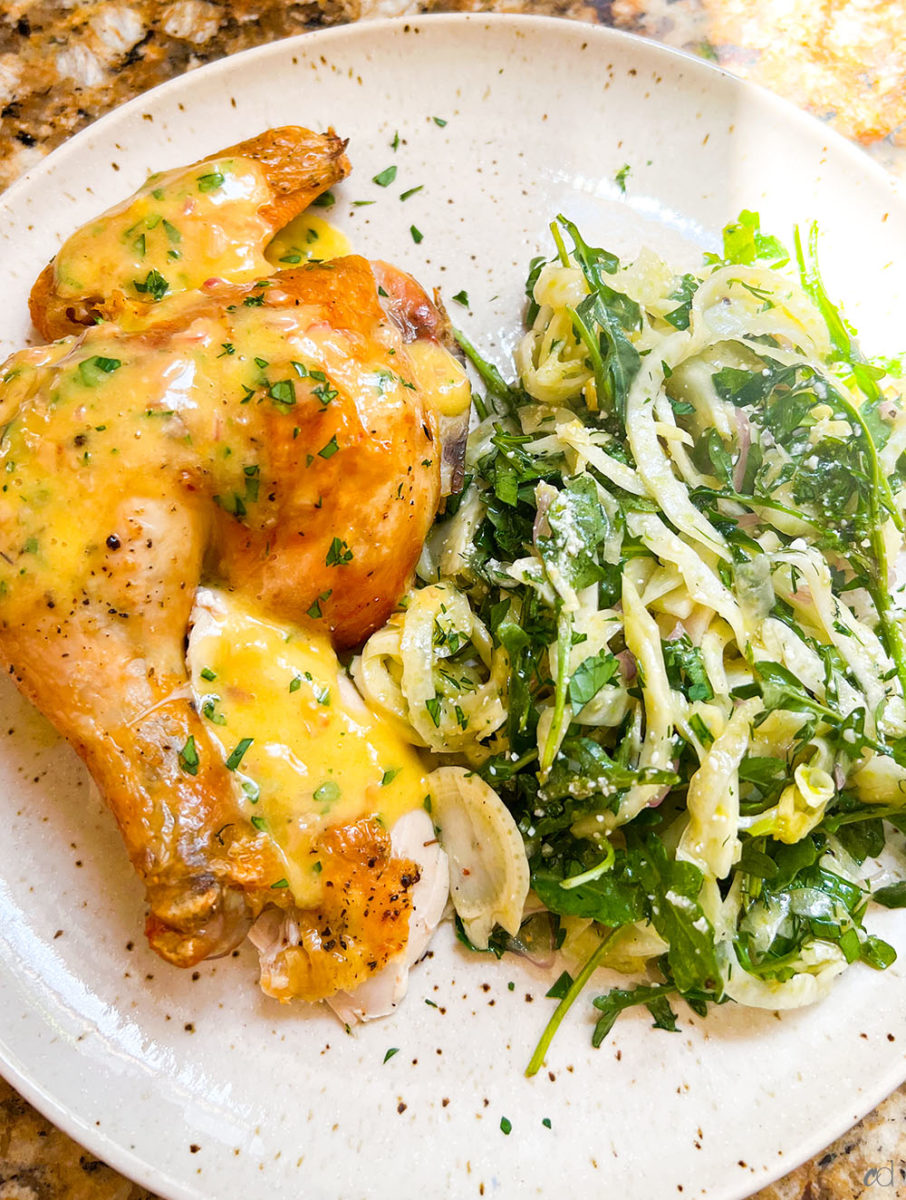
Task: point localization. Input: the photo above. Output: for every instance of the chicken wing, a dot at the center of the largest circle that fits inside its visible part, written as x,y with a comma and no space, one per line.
183,227
279,438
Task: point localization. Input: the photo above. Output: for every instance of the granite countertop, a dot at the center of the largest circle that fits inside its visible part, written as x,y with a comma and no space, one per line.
64,63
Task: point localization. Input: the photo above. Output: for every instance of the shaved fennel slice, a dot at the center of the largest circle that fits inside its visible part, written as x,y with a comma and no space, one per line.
711,839
489,871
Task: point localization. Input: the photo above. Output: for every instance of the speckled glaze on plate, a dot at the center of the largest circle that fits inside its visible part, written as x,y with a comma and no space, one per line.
192,1082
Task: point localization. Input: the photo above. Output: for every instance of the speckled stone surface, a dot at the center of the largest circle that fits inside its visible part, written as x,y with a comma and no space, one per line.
64,63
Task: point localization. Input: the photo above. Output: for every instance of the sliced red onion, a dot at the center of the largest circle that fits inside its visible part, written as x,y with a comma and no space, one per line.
744,429
628,667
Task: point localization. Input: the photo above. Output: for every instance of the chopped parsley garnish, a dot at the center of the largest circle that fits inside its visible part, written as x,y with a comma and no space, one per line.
330,449
386,177
315,610
328,792
210,182
153,285
390,1053
236,755
325,393
621,176
208,674
411,192
417,234
325,200
93,370
338,554
283,394
188,757
462,298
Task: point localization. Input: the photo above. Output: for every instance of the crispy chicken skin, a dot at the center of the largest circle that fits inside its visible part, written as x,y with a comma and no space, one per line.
273,439
212,218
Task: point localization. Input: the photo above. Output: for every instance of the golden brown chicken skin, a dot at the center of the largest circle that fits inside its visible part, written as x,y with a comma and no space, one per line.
183,227
275,439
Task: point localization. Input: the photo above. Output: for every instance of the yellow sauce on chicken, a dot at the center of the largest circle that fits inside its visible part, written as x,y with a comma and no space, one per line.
119,408
180,229
439,375
311,753
305,238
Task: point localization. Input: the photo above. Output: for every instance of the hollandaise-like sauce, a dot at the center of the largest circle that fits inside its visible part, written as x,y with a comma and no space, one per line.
178,230
305,238
439,375
230,401
307,752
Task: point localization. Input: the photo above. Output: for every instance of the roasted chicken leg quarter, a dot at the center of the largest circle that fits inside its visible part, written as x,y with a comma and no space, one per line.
278,438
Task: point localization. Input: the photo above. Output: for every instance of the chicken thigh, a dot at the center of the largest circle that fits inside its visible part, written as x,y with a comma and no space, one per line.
183,227
279,438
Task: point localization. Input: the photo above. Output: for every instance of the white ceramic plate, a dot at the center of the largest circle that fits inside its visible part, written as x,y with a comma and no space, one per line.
193,1083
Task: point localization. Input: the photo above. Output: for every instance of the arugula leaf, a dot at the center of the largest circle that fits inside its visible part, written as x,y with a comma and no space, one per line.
891,896
578,525
618,1000
679,317
745,243
673,887
614,899
686,669
590,676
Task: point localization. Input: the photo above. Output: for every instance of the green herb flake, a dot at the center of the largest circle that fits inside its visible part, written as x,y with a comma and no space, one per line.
315,610
389,776
93,370
330,449
281,883
259,823
325,200
621,176
188,756
417,234
327,793
386,177
283,394
411,192
390,1053
506,1126
208,674
338,553
153,285
210,182
439,121
237,753
462,298
295,683
291,259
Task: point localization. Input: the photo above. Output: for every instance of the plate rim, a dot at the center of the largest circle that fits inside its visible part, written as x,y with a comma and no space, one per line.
112,1150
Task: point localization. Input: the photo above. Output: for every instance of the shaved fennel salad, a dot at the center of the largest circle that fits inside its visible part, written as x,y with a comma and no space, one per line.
657,633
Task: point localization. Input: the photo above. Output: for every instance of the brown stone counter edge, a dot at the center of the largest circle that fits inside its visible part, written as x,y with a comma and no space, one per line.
61,68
